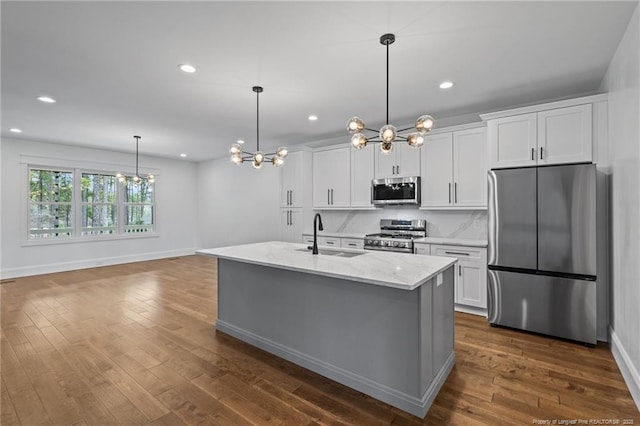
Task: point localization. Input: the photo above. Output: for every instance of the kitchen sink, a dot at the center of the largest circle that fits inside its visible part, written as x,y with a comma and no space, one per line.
337,253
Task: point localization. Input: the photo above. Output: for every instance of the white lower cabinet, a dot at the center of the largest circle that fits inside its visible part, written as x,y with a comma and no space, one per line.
323,241
352,243
290,225
470,285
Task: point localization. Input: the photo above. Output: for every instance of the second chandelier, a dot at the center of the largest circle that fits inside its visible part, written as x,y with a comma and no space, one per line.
389,133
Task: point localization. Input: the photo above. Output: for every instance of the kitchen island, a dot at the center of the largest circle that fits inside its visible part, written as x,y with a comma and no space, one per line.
378,322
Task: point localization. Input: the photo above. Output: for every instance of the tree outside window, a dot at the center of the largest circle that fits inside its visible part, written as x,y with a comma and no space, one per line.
50,203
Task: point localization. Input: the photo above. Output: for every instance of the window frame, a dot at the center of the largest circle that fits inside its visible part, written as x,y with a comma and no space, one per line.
76,206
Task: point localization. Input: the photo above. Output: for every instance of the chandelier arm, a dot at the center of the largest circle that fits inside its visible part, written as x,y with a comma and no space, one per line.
404,130
257,121
371,130
402,138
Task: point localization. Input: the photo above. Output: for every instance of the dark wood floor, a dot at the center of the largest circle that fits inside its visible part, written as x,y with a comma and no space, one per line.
135,344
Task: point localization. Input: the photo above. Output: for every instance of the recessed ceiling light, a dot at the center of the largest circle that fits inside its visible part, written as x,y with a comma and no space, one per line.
183,155
240,141
446,85
46,99
15,130
313,117
187,68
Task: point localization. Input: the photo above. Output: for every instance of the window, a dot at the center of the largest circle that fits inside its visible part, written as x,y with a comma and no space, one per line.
50,203
99,204
138,204
72,204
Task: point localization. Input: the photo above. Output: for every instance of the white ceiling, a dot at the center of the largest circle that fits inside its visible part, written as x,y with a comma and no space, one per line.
112,66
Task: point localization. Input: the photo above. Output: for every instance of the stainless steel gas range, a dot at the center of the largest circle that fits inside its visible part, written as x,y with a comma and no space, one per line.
396,235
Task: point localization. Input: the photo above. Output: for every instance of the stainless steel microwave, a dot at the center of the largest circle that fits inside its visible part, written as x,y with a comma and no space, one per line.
395,191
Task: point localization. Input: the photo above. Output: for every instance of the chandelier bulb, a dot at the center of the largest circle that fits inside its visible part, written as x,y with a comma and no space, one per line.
386,147
277,161
355,125
282,152
359,141
424,124
235,149
256,164
388,133
415,140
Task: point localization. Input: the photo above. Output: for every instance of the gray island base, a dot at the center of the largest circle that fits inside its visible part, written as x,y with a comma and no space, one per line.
391,343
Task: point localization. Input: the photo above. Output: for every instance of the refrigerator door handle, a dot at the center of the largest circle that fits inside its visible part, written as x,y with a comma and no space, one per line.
492,218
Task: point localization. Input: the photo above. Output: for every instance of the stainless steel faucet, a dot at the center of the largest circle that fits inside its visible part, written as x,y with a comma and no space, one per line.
315,232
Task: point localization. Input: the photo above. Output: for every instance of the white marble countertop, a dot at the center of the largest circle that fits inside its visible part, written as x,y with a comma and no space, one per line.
336,234
398,270
451,241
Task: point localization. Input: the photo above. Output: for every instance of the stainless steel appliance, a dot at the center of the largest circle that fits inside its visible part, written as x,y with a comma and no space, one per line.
396,235
396,191
542,250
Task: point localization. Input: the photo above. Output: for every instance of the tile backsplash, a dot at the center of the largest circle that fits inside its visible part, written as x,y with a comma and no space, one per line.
467,224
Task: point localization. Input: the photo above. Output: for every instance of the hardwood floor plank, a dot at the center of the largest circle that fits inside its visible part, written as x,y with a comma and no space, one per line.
136,344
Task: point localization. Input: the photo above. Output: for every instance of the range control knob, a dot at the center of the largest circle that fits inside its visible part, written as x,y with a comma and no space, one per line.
376,242
395,244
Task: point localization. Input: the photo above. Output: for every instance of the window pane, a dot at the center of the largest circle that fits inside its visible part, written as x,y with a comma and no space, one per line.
46,186
138,193
99,219
98,188
50,220
139,218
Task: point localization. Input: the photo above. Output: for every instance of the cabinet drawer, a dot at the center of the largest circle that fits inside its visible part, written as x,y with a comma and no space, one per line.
328,241
354,243
424,249
474,253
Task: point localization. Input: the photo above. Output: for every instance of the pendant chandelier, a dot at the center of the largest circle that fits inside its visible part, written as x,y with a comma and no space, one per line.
389,133
238,156
136,178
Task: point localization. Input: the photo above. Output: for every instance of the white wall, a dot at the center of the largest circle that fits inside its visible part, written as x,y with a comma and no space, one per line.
622,82
175,211
237,204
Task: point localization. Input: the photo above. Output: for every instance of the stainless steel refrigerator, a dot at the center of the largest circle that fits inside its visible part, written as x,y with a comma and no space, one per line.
542,250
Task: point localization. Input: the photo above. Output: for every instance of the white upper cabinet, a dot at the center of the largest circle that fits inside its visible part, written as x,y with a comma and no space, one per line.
332,178
565,135
362,164
554,136
470,168
513,141
455,170
402,161
295,174
437,176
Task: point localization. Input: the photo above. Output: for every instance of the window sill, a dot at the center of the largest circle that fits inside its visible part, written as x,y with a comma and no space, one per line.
88,239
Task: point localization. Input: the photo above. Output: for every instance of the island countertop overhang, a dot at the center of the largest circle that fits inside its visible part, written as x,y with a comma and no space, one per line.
398,270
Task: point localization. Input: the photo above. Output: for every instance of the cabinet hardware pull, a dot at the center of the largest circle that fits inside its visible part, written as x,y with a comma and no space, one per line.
328,201
351,244
533,153
329,243
290,197
455,192
457,253
459,270
449,192
331,196
398,169
541,149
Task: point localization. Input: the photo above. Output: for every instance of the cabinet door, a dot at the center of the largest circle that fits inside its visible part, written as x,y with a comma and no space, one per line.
565,135
332,178
290,225
385,164
290,180
470,168
362,166
322,178
437,174
408,159
471,284
513,141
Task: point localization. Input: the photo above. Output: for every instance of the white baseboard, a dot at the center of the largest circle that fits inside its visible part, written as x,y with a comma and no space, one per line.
471,310
89,263
628,370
